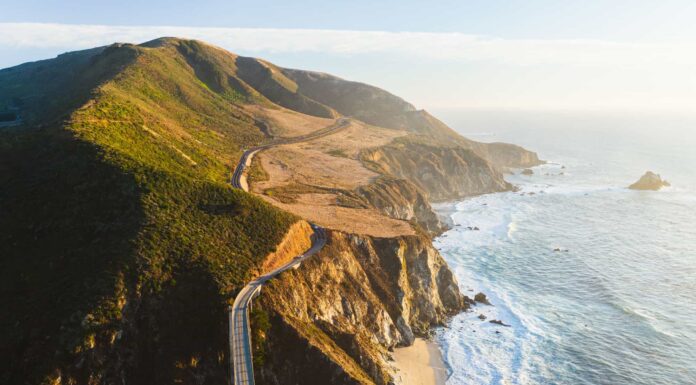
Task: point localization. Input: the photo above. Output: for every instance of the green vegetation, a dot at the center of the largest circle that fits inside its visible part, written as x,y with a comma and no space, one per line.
121,240
260,324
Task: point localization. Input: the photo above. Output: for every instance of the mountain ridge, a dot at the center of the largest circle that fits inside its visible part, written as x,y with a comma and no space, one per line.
119,221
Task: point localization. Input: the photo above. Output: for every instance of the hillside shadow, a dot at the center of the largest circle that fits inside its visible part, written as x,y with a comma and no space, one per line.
67,227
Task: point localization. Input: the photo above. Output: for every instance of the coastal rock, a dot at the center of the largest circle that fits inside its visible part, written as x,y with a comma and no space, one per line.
442,173
649,181
481,317
397,198
527,171
481,298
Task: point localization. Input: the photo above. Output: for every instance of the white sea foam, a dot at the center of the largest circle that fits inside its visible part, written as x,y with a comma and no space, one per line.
562,327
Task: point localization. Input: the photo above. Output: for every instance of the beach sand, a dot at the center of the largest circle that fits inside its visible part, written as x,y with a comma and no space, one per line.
420,364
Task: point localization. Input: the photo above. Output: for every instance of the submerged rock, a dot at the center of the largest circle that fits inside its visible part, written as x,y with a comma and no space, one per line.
527,171
499,322
649,181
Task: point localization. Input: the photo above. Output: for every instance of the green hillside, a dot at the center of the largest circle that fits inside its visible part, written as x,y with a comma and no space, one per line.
121,240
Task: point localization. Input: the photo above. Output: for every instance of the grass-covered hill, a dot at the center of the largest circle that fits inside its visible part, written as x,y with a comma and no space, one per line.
121,241
120,238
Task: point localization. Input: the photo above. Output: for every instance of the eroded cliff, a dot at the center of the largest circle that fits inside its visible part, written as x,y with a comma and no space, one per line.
124,272
335,318
396,198
442,172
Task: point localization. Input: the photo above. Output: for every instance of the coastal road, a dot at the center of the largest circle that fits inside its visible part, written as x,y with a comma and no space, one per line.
241,355
240,331
239,180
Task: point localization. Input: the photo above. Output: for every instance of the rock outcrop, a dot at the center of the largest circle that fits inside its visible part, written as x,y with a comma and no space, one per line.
481,298
397,198
444,173
140,244
344,309
649,181
505,155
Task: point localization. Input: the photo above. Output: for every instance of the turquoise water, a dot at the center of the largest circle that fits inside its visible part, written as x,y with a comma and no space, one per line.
619,307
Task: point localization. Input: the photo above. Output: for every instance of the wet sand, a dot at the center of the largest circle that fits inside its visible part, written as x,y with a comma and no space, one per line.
420,364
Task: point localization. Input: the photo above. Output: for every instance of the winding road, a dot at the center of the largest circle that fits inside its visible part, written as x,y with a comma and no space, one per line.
239,178
241,357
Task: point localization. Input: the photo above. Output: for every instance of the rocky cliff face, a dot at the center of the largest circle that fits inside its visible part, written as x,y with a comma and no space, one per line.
335,318
126,277
505,155
442,172
397,198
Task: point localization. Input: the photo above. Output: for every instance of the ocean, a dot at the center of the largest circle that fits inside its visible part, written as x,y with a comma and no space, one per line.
617,304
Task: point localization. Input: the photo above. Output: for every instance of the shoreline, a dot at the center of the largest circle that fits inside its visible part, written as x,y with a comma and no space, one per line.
420,364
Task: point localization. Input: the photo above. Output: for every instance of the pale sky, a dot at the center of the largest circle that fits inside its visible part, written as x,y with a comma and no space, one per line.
530,55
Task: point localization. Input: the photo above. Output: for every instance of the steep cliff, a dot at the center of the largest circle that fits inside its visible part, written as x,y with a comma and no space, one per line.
397,198
442,172
121,241
505,155
344,309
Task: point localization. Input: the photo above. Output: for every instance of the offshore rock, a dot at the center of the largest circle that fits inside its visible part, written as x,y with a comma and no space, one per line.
649,181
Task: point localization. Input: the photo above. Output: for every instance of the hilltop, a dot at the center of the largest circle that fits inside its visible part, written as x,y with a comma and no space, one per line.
122,241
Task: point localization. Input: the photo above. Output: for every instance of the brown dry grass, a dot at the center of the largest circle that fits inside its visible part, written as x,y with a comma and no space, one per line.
312,167
329,161
305,178
322,209
287,123
349,141
295,242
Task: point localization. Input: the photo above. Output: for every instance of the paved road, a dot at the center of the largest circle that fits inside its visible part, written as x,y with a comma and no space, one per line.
239,180
240,332
241,355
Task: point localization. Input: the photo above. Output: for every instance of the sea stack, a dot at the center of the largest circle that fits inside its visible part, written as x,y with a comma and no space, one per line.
649,181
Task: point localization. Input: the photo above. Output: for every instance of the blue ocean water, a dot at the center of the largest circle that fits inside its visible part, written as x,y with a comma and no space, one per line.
619,306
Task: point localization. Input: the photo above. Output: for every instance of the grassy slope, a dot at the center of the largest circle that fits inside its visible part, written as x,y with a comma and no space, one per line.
120,238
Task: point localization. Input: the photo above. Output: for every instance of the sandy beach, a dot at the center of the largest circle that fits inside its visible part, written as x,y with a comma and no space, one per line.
420,364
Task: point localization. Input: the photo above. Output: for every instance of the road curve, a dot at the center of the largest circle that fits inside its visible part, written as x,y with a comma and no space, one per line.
238,179
241,355
239,328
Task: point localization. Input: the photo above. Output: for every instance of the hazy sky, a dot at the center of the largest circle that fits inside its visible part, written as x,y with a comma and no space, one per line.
577,55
